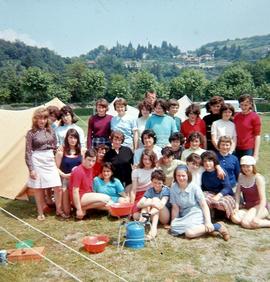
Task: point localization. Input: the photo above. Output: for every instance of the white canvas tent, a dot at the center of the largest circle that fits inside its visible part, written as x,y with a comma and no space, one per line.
131,111
13,170
184,102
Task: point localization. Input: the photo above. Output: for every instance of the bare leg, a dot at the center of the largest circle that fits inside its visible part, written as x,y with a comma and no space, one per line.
94,201
196,231
58,193
66,201
40,202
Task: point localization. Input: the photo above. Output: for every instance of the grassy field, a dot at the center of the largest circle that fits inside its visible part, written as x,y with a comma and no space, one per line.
245,257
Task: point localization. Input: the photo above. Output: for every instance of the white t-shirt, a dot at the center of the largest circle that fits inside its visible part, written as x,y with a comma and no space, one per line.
223,127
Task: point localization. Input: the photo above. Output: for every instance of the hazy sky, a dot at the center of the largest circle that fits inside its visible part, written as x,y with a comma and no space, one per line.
74,27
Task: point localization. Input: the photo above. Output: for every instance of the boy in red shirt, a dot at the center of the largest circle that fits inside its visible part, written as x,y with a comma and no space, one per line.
81,187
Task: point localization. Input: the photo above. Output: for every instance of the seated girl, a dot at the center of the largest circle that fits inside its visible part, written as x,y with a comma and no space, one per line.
194,164
190,212
66,160
195,139
141,178
253,212
218,192
107,184
228,161
168,164
101,150
177,141
155,202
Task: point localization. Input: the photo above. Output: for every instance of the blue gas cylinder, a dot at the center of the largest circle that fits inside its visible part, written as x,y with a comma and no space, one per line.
135,235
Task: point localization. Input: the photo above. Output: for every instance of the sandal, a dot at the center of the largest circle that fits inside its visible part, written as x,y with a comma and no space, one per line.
41,217
62,215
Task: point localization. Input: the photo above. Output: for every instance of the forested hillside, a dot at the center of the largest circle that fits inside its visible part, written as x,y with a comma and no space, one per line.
31,74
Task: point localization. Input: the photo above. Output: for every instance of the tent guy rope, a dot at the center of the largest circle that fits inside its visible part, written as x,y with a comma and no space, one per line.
46,258
63,244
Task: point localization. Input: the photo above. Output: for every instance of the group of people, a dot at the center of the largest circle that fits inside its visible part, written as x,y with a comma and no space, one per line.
177,172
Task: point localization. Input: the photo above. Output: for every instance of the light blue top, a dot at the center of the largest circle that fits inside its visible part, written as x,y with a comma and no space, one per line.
187,199
151,193
61,132
177,122
112,188
163,126
126,125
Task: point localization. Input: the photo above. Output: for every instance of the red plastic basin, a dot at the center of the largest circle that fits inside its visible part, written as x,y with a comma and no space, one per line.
95,243
118,209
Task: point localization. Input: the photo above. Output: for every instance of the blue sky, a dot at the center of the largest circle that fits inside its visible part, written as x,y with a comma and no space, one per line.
73,27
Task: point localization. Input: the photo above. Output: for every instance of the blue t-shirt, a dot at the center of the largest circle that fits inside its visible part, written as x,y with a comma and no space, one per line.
163,126
112,188
126,125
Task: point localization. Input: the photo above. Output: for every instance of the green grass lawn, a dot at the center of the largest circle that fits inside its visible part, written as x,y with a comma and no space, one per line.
245,257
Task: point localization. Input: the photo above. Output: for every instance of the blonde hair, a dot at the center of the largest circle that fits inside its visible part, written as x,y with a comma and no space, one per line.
40,113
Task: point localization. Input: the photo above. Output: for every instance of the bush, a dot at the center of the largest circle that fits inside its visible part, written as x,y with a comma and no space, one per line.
83,111
263,107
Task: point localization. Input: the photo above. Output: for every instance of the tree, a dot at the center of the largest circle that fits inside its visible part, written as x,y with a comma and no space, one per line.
57,91
35,84
118,86
235,81
190,82
263,91
140,82
93,85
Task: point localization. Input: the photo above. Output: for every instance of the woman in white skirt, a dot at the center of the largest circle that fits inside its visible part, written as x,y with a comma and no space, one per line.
39,158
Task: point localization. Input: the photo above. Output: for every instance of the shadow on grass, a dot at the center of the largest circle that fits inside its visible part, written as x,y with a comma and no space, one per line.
19,208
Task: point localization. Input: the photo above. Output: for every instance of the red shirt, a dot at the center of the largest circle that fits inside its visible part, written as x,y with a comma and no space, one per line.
83,178
187,128
247,127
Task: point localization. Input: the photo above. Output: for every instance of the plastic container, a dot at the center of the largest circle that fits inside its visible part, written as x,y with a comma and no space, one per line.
24,244
135,235
96,243
118,209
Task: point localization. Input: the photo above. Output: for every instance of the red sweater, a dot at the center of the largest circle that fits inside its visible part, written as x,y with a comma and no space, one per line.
247,128
187,128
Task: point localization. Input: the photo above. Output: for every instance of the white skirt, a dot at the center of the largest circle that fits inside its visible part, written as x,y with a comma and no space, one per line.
46,170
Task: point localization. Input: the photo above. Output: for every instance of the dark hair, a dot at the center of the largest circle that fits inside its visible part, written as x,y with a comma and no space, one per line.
146,105
227,106
110,166
173,102
185,168
53,110
152,156
193,108
195,135
194,158
177,136
225,139
74,133
162,103
102,102
159,175
214,101
149,133
121,102
210,156
102,146
167,152
245,97
117,133
90,153
67,110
